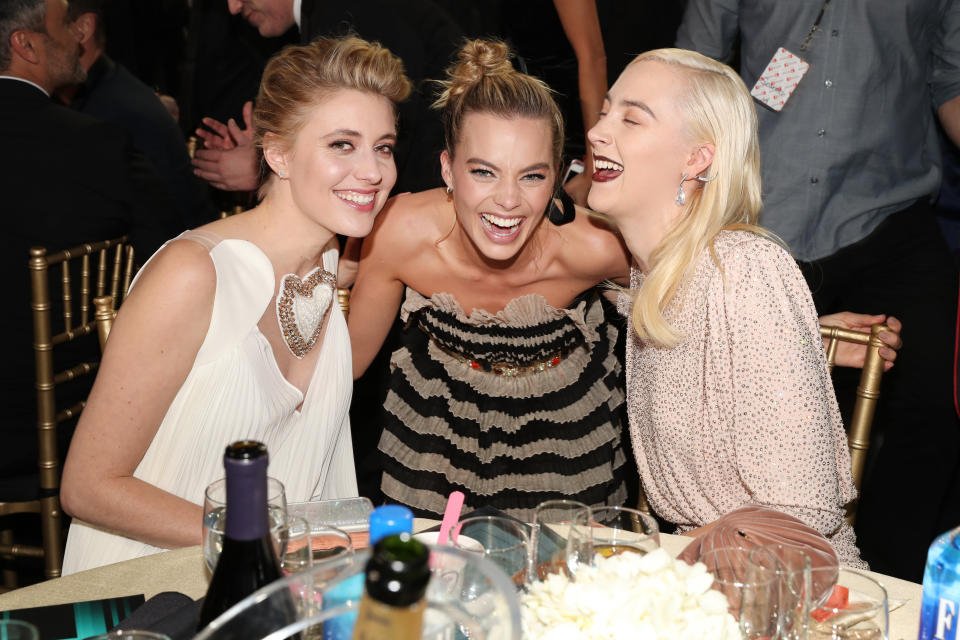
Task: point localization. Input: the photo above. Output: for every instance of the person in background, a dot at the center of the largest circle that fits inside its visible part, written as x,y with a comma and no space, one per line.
728,393
66,179
214,342
417,31
113,94
850,164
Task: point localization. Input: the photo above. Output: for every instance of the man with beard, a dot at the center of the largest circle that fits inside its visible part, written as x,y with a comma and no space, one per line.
66,179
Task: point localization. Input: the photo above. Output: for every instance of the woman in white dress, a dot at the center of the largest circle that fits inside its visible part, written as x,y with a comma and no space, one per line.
217,341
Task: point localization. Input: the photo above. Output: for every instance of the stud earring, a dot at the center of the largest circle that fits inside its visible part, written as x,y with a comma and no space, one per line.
282,174
449,190
681,197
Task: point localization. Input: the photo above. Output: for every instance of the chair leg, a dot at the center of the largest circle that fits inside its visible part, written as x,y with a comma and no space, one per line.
10,578
51,525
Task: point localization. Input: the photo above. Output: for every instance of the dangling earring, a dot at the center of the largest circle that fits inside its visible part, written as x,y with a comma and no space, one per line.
681,197
560,215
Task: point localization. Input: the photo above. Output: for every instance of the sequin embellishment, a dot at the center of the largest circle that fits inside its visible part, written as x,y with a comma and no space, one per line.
301,306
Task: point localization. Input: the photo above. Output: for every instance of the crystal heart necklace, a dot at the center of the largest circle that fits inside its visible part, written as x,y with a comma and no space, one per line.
301,307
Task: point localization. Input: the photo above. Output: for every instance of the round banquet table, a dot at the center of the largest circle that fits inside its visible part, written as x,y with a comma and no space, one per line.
184,570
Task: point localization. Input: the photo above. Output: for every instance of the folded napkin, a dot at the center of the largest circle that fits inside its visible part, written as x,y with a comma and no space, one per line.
171,613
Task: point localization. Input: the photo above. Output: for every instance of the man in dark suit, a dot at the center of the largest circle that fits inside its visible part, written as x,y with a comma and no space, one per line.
113,94
418,31
66,179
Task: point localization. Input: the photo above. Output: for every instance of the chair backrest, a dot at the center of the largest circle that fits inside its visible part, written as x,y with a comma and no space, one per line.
868,392
97,268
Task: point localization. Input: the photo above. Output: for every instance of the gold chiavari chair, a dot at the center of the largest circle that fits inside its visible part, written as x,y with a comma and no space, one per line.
868,393
96,268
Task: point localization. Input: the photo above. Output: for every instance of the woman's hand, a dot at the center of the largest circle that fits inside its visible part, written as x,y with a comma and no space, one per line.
853,355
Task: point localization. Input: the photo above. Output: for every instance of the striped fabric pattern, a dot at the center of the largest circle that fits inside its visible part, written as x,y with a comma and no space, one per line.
509,442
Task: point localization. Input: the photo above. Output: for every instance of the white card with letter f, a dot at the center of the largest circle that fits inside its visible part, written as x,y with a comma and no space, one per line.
781,77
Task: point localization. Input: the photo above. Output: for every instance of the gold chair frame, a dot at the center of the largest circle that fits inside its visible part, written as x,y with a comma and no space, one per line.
864,410
111,274
868,394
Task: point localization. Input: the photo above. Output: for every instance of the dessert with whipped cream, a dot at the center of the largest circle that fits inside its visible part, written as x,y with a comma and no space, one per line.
649,596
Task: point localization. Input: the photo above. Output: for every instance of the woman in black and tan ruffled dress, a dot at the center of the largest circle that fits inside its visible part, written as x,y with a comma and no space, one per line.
505,385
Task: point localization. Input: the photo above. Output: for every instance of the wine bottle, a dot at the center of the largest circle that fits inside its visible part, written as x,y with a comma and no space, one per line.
393,600
248,560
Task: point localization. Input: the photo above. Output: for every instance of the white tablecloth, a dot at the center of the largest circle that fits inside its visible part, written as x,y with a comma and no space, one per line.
184,570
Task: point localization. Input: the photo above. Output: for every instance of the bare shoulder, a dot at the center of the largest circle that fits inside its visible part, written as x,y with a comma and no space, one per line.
180,273
592,247
409,223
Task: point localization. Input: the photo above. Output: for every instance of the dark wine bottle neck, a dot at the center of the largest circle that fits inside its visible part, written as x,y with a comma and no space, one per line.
247,514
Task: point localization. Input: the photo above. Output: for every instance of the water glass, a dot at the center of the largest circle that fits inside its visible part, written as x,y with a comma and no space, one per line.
19,630
791,566
561,541
619,529
215,515
857,609
504,541
328,542
293,545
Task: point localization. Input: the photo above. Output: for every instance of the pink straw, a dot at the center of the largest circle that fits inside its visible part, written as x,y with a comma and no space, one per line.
450,516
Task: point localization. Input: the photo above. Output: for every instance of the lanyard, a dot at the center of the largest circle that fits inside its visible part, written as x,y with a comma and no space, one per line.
815,27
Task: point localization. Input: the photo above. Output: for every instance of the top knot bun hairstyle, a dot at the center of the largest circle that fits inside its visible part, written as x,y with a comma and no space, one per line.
299,78
483,80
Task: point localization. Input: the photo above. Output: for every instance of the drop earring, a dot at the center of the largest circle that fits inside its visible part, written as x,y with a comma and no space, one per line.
681,197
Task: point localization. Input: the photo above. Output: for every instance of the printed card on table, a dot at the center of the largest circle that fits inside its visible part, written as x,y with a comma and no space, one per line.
779,80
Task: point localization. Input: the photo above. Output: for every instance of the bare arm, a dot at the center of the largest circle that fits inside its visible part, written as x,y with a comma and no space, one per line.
949,113
581,25
152,346
376,295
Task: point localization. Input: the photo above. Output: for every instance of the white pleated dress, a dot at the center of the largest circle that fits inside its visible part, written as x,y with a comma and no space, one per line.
235,391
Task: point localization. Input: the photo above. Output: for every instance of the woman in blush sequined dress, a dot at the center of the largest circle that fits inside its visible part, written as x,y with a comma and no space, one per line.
204,351
505,384
728,394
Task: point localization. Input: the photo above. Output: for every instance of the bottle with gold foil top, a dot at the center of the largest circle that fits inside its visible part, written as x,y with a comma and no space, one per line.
393,600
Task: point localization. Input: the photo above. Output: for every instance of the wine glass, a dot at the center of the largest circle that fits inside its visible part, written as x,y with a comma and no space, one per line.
504,541
792,567
619,529
561,541
215,515
751,589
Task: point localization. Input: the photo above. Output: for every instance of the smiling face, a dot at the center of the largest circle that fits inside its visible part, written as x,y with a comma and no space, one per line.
340,169
640,149
271,18
502,175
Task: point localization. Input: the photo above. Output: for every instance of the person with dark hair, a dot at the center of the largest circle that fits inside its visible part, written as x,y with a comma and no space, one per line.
229,333
417,31
66,179
113,94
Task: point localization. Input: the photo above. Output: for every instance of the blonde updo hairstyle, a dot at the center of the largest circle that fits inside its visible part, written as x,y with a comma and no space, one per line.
716,108
299,78
483,80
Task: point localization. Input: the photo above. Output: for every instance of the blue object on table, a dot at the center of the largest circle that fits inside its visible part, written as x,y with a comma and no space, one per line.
940,611
384,521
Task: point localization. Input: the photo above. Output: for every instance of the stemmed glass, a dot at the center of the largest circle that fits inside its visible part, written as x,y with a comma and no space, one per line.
561,541
215,515
619,529
751,589
857,608
791,566
504,541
